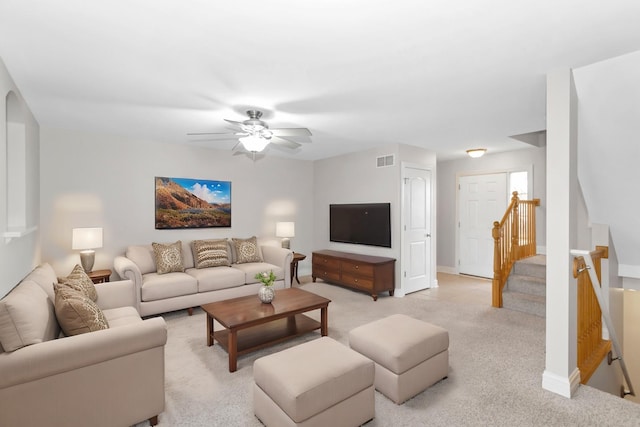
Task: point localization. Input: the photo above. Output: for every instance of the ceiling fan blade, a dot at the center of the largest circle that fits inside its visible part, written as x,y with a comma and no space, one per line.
284,142
290,131
233,122
210,133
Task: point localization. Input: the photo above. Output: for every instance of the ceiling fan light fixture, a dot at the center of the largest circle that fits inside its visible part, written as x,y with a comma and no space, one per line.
476,152
254,143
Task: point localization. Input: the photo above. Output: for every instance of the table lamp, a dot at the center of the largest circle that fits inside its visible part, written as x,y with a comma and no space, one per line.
285,230
86,240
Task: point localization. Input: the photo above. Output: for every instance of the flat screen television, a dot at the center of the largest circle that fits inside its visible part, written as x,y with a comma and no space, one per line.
361,224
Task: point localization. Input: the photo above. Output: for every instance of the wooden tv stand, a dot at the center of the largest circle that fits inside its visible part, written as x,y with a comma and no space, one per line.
372,274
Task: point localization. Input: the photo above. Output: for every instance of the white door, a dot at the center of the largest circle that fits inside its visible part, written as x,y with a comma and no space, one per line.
482,199
416,211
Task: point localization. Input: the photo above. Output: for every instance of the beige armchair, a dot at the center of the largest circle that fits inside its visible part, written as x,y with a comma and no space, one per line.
111,377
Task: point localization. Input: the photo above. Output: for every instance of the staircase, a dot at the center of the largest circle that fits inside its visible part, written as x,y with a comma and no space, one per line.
525,290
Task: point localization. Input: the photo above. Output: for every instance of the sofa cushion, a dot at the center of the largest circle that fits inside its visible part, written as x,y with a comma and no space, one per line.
27,316
161,286
121,316
77,313
79,281
210,253
143,257
45,276
211,279
168,257
252,268
247,250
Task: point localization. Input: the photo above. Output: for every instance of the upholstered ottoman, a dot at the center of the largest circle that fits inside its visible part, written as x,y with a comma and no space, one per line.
318,383
410,354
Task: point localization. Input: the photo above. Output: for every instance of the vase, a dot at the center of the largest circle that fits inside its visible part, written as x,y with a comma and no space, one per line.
266,294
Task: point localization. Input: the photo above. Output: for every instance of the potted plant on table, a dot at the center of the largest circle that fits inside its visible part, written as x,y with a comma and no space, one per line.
266,291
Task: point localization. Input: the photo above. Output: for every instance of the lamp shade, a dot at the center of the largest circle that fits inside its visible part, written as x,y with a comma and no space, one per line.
86,238
254,143
285,229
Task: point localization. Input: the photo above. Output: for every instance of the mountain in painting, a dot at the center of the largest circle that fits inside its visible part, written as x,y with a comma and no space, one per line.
170,195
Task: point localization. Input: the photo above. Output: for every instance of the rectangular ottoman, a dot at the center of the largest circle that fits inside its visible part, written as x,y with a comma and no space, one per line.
318,383
410,355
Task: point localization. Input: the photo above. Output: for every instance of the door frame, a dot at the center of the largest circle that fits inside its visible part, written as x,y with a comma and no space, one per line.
432,222
528,168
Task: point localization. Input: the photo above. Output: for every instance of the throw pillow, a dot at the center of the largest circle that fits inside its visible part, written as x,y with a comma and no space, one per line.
247,250
210,253
168,257
77,313
26,317
80,281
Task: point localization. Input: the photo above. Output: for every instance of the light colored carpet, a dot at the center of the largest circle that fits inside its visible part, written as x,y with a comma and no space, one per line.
496,364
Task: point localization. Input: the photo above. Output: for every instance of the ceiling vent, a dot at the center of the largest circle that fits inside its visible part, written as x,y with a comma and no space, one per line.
384,161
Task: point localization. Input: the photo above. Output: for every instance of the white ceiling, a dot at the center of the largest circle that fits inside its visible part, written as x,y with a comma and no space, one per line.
446,75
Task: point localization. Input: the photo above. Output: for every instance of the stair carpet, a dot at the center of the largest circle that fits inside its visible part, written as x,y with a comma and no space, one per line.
525,290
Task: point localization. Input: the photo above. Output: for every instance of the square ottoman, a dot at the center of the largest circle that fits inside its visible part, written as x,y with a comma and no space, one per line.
318,383
410,355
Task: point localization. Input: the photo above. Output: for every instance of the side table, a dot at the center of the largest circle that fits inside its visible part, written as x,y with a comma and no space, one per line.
99,276
297,257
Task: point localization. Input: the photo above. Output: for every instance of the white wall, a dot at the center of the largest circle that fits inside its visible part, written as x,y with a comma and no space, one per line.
450,170
354,178
561,374
94,180
20,255
608,93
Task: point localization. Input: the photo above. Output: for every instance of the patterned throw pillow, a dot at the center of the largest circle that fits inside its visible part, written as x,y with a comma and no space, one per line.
168,257
210,253
247,250
80,281
77,313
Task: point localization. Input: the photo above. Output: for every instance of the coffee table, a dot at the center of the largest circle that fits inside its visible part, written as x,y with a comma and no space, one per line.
251,325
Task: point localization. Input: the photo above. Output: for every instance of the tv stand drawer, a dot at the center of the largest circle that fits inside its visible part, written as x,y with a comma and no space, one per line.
358,281
358,268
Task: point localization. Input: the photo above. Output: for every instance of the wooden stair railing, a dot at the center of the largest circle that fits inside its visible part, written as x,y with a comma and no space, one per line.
514,238
592,348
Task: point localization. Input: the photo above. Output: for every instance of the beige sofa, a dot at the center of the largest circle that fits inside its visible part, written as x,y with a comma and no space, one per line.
111,377
160,293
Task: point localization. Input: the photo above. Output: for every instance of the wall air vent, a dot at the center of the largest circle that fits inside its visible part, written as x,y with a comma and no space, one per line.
384,161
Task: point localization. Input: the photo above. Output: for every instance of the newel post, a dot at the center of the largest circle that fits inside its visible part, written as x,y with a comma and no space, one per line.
496,292
515,227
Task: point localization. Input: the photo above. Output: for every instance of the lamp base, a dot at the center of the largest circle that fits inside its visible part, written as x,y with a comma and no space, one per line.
86,259
286,243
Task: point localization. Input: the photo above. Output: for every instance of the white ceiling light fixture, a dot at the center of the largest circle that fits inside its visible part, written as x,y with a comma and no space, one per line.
254,143
476,152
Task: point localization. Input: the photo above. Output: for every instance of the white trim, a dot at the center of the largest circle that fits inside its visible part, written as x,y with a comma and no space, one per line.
447,269
626,270
564,386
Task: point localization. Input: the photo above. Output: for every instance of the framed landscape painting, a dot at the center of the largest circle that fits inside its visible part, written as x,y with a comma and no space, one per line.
192,203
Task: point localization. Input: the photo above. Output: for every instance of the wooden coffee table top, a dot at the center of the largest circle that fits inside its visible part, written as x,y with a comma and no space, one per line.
248,310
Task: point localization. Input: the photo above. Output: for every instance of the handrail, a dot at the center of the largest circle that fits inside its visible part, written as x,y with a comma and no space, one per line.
514,238
591,347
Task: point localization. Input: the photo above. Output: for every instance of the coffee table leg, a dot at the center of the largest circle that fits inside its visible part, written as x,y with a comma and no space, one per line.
233,350
209,330
324,321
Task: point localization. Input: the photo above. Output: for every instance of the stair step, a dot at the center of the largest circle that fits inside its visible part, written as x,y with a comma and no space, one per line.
535,266
527,284
526,303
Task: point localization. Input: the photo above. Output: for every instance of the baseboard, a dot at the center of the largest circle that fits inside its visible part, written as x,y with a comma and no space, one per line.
446,269
561,385
541,250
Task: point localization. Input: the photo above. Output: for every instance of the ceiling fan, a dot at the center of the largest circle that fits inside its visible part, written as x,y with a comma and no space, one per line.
255,134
